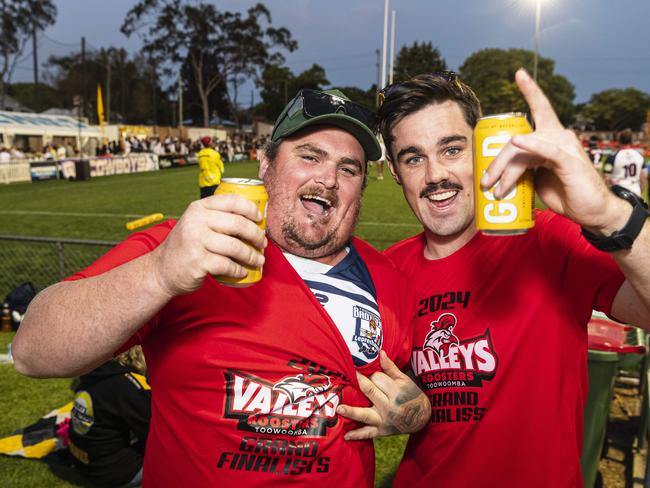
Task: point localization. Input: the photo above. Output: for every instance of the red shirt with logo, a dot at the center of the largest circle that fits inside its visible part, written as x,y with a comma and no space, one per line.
245,381
500,348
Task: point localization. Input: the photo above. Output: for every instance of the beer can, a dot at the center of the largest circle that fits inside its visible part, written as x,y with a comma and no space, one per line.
254,191
514,213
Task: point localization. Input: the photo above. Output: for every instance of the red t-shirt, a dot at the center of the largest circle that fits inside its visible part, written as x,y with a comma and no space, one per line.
500,348
245,381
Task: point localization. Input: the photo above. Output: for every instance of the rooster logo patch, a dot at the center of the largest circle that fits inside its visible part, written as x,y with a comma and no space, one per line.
441,336
302,386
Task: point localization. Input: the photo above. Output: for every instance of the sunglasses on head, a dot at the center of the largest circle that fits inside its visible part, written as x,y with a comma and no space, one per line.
313,103
448,76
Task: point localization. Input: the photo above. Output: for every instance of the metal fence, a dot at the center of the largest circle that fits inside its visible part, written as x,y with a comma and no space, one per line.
44,260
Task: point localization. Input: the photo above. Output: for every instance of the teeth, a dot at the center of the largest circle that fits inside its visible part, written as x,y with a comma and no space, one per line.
318,199
437,197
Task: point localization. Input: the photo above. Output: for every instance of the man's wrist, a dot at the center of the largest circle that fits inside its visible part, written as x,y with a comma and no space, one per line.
617,214
156,284
623,237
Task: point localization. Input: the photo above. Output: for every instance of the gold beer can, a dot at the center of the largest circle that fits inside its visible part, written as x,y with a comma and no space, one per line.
254,191
514,213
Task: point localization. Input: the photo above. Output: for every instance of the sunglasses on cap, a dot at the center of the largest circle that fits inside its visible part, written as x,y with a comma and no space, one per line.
313,103
448,76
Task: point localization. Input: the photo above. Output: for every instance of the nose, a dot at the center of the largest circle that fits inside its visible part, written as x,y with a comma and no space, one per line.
327,175
436,172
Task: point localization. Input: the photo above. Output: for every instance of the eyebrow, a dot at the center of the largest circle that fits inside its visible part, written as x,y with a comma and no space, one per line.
455,138
317,150
354,162
408,150
441,142
311,148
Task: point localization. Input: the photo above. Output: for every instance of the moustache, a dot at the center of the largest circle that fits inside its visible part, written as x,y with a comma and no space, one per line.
443,185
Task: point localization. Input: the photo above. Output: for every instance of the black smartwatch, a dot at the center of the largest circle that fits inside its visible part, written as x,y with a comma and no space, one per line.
624,238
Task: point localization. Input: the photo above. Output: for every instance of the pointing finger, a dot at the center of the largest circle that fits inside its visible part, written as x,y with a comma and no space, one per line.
541,109
534,144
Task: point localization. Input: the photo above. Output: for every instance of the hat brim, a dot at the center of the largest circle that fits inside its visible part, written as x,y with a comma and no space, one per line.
349,124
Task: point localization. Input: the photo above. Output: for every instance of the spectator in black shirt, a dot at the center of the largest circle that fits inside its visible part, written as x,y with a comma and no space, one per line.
110,421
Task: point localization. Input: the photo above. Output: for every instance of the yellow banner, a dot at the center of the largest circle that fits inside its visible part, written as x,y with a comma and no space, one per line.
100,111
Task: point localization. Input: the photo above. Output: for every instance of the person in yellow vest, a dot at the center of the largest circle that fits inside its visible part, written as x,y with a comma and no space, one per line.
210,168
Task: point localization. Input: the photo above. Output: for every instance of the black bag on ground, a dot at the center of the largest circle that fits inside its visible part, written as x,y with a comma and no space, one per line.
18,299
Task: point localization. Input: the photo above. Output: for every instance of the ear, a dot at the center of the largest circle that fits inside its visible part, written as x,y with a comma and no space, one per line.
264,165
393,172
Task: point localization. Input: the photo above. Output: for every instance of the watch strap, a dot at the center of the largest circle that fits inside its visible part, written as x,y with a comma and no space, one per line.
623,238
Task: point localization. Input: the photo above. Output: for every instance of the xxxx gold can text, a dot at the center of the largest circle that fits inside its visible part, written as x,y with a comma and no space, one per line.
514,213
254,191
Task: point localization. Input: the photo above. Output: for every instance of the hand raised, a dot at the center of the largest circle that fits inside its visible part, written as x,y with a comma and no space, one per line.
565,178
212,237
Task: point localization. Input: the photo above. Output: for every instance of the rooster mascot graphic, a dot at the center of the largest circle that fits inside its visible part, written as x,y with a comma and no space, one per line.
303,385
441,336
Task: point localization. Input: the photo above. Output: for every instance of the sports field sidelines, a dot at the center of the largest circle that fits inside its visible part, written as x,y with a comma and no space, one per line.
98,209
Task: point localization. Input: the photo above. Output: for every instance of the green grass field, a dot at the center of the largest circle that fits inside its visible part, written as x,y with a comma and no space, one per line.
98,209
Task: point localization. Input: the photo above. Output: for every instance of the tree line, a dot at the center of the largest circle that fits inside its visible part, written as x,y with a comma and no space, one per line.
213,53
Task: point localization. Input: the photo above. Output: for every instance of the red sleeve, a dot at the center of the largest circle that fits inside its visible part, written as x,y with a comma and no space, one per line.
591,274
136,245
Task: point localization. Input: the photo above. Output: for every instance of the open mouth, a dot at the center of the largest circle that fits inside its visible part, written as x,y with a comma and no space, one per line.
316,204
442,199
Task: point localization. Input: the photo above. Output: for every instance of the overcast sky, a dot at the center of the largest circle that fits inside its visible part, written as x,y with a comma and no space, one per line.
597,44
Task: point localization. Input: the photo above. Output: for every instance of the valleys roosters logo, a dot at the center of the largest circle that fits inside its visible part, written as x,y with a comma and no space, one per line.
303,385
299,405
447,361
441,337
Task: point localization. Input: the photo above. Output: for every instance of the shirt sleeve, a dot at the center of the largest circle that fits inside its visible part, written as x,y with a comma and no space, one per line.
136,245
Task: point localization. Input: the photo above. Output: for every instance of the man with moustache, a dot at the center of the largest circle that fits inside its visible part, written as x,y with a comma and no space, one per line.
246,381
500,338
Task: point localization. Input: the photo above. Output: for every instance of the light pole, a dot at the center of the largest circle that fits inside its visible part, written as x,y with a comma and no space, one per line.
538,14
383,51
392,49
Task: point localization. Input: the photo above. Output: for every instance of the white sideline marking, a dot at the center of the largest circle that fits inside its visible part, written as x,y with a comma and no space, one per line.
135,216
76,214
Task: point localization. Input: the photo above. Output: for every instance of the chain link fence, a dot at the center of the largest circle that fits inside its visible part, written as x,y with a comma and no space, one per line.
44,260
